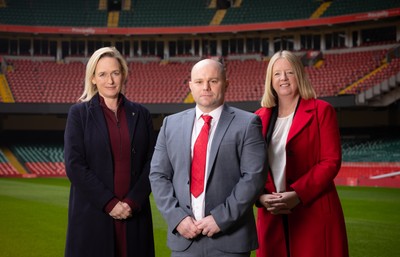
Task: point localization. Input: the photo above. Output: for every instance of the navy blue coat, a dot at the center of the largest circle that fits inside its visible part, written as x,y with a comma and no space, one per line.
89,166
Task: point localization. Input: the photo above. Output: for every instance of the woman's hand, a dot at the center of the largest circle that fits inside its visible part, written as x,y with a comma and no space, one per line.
280,203
121,211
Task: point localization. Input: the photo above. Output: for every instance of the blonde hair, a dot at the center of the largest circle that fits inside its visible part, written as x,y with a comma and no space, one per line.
306,91
90,89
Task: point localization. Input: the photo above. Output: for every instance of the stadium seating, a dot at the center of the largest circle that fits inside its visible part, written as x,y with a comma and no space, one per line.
366,157
340,70
343,71
41,159
257,11
247,79
363,158
156,82
358,6
53,13
167,82
6,168
388,70
155,13
371,149
46,82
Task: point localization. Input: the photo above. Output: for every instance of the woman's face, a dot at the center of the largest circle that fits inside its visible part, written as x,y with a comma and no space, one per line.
284,79
108,77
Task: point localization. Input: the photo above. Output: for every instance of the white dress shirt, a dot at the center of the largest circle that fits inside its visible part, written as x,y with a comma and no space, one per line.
277,151
198,203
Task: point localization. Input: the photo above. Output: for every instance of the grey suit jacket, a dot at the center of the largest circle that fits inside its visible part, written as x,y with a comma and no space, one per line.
236,177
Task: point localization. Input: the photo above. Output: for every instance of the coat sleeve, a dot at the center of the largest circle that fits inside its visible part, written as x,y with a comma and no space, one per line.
144,146
252,168
82,178
161,180
327,152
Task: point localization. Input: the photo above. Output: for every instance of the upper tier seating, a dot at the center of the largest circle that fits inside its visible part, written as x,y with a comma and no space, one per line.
256,11
359,6
156,13
54,13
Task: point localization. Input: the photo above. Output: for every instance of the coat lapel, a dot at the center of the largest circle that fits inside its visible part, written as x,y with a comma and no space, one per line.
97,114
132,116
302,116
224,122
185,145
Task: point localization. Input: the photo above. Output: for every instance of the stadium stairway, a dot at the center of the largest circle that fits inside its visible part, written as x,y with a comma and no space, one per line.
5,91
13,162
321,9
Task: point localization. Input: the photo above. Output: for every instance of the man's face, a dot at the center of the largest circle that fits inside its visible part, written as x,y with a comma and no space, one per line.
208,85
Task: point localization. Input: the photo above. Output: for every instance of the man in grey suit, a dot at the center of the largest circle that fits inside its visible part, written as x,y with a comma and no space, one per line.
219,221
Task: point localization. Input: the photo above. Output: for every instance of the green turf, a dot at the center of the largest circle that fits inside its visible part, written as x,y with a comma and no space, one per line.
33,219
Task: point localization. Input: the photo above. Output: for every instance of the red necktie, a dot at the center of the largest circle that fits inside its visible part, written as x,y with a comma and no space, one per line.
199,158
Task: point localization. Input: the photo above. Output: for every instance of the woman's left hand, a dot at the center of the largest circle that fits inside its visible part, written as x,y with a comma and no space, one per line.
283,203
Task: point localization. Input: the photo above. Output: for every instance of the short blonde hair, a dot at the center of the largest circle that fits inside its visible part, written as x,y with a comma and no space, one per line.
306,91
90,89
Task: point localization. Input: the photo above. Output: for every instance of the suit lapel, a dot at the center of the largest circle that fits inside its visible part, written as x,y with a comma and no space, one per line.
97,114
224,122
186,127
132,117
302,116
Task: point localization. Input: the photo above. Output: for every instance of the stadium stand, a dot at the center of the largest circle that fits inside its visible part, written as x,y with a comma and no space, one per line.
358,6
53,13
337,73
6,168
256,11
33,81
365,66
41,159
158,82
154,13
343,69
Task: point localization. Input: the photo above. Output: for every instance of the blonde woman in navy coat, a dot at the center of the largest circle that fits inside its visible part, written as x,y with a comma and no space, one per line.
109,143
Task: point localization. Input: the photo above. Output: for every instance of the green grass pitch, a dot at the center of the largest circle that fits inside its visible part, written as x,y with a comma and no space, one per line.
33,219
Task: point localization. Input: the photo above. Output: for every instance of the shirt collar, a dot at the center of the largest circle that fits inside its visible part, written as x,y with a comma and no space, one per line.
120,101
215,114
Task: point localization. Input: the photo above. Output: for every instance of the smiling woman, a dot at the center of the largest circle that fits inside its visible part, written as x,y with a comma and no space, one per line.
300,188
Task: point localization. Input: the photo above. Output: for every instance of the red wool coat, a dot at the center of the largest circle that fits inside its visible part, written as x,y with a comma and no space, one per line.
313,154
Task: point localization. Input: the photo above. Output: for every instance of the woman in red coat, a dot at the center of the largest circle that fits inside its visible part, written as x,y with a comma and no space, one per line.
300,214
